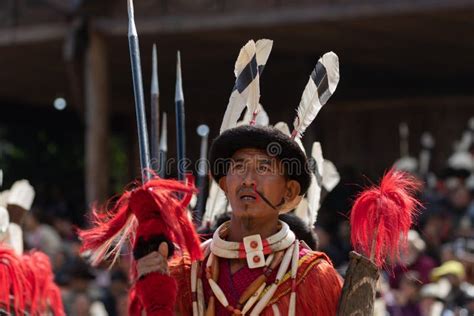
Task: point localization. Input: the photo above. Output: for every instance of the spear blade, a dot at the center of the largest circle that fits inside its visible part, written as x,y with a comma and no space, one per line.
180,121
163,147
155,113
138,93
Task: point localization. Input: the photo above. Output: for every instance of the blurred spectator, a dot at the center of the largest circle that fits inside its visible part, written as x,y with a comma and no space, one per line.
81,305
113,295
64,228
432,298
463,249
461,292
436,231
405,300
41,236
122,305
329,247
81,294
415,260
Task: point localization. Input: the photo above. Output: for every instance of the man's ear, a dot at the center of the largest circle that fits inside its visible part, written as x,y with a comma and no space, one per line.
223,183
293,190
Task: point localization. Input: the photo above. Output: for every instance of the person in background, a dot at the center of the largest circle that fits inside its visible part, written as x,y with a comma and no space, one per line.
459,294
415,260
406,297
41,236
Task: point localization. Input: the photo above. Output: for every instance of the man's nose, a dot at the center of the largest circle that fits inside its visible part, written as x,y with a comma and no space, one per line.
249,178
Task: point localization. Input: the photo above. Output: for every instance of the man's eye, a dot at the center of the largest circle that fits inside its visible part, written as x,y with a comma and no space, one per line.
237,166
264,168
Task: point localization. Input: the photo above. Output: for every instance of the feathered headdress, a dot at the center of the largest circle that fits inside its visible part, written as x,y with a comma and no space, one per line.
155,210
382,216
248,68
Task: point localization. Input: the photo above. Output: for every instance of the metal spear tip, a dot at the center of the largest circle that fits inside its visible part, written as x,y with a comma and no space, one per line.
130,8
202,130
164,135
132,29
179,83
154,76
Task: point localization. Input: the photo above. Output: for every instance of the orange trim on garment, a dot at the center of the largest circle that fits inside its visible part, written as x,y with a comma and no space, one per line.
310,260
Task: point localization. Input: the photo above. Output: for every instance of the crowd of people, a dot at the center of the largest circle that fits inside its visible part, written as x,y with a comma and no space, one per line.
436,275
85,290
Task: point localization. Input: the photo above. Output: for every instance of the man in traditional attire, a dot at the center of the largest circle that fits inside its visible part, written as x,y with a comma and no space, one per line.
253,263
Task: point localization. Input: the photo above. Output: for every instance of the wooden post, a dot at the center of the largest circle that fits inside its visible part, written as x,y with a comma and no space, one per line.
358,293
96,119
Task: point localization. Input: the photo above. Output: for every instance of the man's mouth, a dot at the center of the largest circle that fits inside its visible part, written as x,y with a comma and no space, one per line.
248,197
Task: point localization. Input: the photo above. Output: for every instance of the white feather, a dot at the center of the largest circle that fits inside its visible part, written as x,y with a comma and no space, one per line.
264,48
330,175
261,119
237,101
302,210
216,204
310,105
314,190
251,95
283,127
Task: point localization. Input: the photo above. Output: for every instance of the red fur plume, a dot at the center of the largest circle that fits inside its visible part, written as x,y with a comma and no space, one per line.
111,229
382,216
13,285
44,294
28,283
153,208
55,300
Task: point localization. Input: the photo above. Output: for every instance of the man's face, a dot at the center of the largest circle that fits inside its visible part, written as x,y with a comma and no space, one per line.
253,170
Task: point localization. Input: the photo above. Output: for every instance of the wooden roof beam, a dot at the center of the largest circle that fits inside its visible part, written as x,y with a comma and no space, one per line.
32,34
205,20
